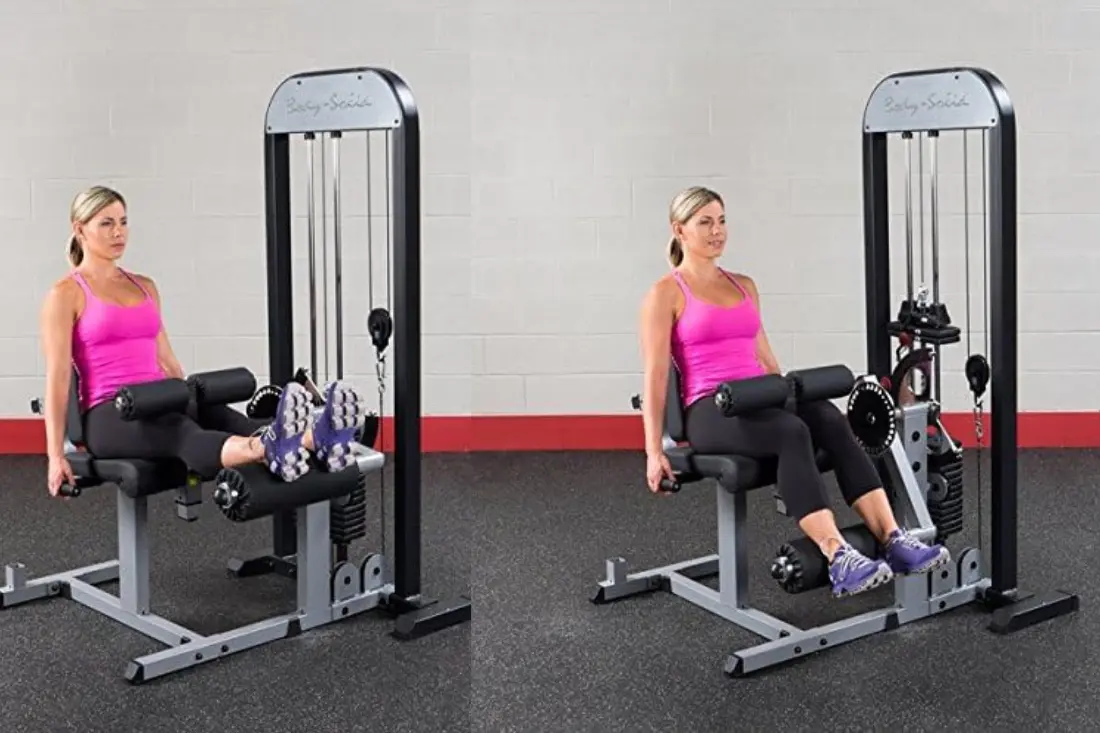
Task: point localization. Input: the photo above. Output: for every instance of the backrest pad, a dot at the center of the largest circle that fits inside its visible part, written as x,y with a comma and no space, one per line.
74,424
674,407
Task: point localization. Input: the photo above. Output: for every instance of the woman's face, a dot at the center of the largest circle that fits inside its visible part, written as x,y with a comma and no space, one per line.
105,234
704,234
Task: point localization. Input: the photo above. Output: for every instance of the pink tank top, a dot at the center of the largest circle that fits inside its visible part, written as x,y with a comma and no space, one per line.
712,344
114,345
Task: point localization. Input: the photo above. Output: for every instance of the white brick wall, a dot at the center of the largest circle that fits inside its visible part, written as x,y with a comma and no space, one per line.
554,134
762,101
165,100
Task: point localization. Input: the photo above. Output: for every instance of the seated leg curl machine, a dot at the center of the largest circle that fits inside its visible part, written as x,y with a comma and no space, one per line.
316,517
894,412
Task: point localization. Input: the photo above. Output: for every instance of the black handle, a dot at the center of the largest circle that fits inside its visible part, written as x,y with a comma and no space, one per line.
69,490
669,486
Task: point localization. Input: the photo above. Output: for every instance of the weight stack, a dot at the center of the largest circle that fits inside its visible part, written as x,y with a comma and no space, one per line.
945,493
347,516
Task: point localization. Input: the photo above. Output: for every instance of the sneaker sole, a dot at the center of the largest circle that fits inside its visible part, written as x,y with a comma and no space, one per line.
881,577
344,416
290,424
941,561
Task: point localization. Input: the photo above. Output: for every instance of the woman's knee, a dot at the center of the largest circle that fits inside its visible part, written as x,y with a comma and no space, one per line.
822,411
792,432
201,450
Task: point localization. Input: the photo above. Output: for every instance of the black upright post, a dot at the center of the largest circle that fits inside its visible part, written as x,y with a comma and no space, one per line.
406,320
416,615
890,111
280,297
876,253
1003,348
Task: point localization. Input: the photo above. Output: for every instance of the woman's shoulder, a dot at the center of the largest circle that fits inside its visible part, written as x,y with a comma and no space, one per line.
744,281
65,289
145,280
666,288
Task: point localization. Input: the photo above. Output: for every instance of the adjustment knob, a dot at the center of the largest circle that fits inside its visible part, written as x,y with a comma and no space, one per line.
722,399
781,569
224,496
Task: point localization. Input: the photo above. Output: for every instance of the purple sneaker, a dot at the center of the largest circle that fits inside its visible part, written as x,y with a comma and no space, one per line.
908,556
282,439
851,572
337,427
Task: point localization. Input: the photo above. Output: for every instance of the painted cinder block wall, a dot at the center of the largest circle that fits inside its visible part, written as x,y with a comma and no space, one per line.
555,133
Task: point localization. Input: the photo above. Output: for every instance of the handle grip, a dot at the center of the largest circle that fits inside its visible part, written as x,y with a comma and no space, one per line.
668,486
69,490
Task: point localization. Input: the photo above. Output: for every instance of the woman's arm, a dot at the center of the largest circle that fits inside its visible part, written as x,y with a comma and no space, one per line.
763,347
166,357
56,325
658,313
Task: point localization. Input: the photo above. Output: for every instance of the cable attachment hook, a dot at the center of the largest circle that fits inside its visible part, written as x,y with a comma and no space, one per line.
380,328
380,370
977,377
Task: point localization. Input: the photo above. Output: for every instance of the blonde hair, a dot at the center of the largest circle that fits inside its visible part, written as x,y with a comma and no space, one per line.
683,207
85,206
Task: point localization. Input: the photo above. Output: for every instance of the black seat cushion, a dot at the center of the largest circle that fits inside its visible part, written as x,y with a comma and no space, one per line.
135,478
734,473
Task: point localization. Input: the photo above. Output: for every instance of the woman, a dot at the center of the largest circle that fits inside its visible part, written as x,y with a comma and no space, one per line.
708,319
105,322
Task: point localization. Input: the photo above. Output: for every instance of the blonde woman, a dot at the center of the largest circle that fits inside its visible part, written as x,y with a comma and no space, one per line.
708,320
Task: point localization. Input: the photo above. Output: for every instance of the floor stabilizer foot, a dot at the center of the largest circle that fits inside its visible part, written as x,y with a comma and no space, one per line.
267,564
1030,609
135,673
735,666
430,616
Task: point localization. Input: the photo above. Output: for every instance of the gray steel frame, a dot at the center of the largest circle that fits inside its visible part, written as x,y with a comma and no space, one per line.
325,593
915,597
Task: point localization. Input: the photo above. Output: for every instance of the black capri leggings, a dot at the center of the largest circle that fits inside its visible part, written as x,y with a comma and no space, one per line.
793,438
196,437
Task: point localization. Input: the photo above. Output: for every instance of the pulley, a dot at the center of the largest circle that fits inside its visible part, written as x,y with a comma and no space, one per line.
380,328
871,415
977,375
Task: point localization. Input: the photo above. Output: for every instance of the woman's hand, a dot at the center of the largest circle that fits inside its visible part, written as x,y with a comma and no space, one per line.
656,468
58,473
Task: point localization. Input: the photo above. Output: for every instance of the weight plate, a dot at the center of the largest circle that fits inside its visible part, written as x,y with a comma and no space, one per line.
871,416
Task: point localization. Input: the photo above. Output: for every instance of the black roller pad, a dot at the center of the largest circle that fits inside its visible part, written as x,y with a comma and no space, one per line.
261,494
223,386
742,396
813,569
152,399
822,383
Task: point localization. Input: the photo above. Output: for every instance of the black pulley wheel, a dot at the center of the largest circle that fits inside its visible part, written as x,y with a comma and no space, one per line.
871,416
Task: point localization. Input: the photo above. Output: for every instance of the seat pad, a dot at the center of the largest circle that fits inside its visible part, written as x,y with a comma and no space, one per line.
735,473
134,477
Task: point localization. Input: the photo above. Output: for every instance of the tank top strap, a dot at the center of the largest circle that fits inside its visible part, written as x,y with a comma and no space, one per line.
76,276
683,285
137,282
737,284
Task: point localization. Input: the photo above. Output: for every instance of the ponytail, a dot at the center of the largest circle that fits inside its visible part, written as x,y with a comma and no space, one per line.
75,252
675,252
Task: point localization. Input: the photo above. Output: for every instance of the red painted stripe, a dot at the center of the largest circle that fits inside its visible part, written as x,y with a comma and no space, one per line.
19,436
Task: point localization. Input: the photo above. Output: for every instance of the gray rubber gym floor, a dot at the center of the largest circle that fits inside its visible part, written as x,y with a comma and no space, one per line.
546,659
61,664
535,529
